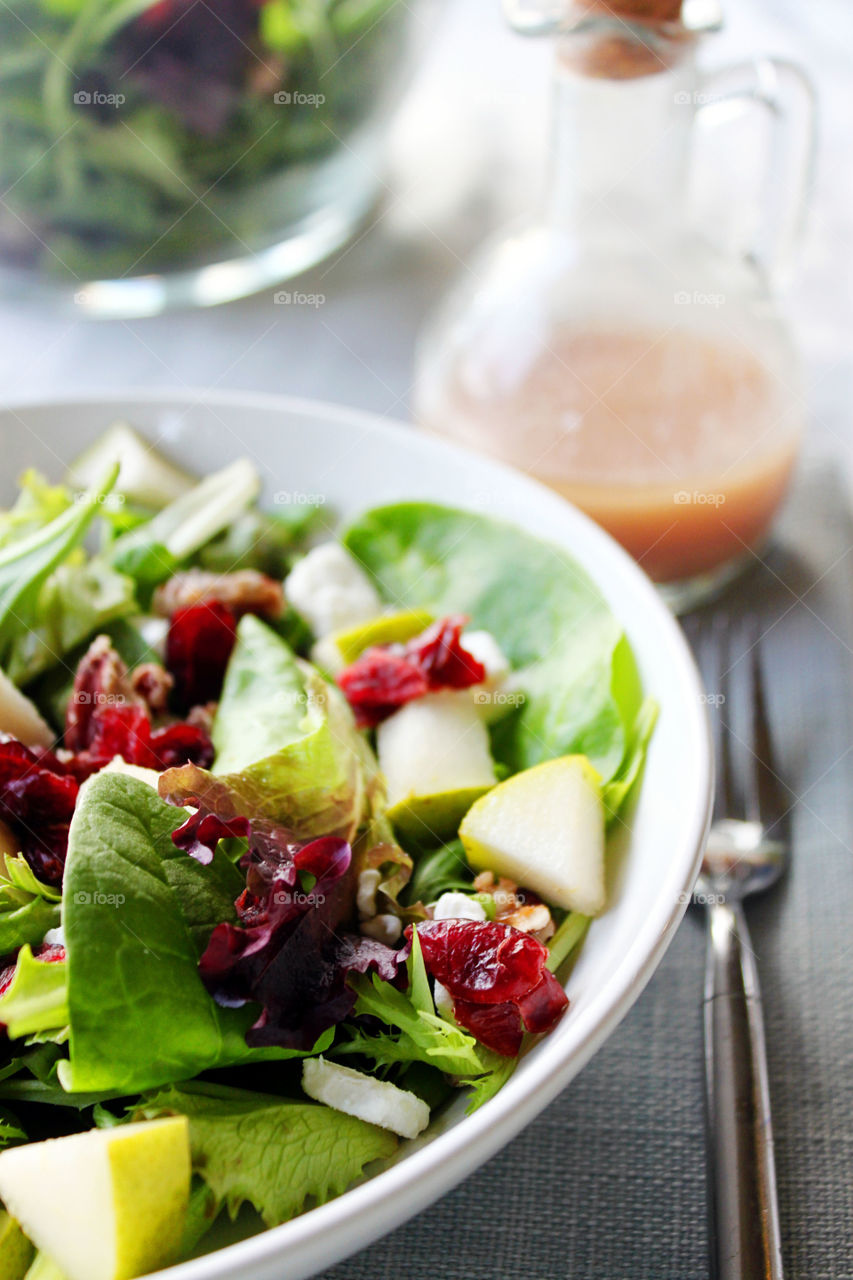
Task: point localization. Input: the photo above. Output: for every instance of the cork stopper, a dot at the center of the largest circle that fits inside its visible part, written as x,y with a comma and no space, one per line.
636,10
641,38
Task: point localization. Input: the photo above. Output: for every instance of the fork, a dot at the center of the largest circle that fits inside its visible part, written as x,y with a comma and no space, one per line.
747,851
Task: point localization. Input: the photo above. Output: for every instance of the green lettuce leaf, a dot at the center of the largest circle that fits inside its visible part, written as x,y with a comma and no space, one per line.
74,602
150,552
27,907
260,540
286,743
419,1034
25,564
441,870
10,1133
37,504
615,793
548,617
137,914
35,1004
569,936
269,1152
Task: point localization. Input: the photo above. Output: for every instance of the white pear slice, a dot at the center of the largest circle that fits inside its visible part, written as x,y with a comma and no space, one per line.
434,753
146,476
108,1204
21,718
544,828
356,1094
16,1251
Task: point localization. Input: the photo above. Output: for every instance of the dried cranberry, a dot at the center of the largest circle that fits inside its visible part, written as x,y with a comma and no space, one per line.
199,645
100,684
440,655
37,803
181,743
378,683
498,979
483,962
497,1026
386,677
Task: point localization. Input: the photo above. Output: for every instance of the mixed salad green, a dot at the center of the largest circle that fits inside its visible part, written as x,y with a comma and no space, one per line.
294,834
138,135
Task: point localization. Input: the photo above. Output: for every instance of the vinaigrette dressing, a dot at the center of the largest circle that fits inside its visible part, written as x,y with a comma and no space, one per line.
611,347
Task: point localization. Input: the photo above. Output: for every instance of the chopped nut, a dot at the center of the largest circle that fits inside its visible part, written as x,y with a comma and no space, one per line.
516,907
245,591
153,683
533,919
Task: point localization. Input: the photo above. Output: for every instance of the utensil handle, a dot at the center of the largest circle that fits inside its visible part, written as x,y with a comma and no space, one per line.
743,1211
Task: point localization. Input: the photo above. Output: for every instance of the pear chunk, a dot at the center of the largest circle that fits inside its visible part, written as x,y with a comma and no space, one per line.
544,828
16,1251
108,1204
434,753
338,650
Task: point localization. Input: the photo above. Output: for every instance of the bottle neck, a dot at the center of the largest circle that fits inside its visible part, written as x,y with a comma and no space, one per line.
620,139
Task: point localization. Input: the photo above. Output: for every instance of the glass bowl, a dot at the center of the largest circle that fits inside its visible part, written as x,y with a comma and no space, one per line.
158,153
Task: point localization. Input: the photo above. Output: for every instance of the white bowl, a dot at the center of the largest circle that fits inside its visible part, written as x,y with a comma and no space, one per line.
354,461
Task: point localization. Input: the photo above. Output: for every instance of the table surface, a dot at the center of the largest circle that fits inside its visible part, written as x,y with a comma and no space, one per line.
609,1182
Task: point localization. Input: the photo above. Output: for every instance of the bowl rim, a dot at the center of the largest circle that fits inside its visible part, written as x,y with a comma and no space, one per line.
389,1198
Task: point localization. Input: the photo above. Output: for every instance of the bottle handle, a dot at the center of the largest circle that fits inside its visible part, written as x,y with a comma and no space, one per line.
782,89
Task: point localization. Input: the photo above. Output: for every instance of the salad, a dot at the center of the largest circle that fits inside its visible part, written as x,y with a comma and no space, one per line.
295,835
143,134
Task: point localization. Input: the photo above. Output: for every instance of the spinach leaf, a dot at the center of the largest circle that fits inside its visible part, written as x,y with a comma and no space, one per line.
137,914
546,614
439,871
269,1152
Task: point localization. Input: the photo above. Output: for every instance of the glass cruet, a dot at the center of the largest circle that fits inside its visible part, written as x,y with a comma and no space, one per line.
614,346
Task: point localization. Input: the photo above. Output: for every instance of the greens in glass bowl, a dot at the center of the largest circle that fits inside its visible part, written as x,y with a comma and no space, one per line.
188,151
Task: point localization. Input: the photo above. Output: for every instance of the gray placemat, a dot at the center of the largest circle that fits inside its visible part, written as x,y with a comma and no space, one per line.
608,1183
